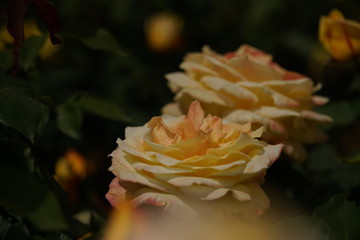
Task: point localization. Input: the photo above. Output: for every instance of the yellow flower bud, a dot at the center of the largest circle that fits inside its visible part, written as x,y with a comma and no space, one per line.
339,36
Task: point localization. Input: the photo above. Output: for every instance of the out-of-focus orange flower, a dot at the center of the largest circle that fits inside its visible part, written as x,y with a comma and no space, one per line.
69,170
163,32
72,165
30,29
340,36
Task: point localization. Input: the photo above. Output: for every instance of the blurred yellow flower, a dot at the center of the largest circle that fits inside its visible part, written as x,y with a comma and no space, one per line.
30,29
192,164
340,36
164,32
126,224
70,170
247,86
72,165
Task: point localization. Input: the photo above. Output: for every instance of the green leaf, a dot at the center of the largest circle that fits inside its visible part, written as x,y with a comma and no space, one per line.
25,196
342,218
355,160
69,120
103,108
19,110
102,40
328,169
30,50
4,227
11,81
18,231
5,60
355,85
57,236
48,215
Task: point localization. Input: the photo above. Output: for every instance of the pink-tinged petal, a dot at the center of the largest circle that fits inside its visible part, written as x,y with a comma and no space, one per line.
319,100
261,162
195,115
173,205
255,54
275,112
116,193
318,117
288,75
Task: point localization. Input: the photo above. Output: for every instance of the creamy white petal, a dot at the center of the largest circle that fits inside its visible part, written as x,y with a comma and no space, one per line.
316,116
172,109
188,181
131,150
192,66
275,112
218,84
179,80
243,116
135,177
160,169
203,95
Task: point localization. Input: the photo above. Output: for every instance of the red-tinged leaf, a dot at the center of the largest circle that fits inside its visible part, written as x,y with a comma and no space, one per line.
50,18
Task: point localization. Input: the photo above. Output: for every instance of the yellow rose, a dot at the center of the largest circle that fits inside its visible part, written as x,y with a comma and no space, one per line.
191,164
246,86
339,36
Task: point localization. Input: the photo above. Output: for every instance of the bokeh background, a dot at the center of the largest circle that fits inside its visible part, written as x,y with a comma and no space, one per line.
109,74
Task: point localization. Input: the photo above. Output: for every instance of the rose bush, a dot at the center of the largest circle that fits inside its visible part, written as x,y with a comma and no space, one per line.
192,164
247,86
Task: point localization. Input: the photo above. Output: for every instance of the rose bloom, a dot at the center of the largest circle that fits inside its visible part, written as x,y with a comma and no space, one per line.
339,36
192,164
247,86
